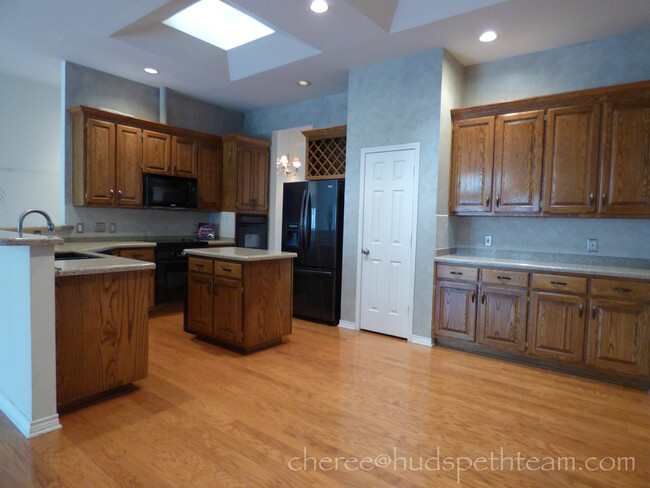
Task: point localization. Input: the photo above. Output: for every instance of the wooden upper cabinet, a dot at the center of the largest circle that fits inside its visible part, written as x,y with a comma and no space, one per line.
518,162
261,184
100,164
184,157
245,175
571,159
471,165
156,152
625,167
246,178
128,166
209,175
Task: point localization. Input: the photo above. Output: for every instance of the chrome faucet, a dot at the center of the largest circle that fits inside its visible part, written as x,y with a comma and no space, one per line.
50,224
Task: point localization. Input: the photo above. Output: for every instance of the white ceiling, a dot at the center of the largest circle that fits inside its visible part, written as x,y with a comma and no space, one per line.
123,36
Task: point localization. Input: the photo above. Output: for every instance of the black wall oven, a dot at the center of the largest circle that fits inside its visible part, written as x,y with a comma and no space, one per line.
251,231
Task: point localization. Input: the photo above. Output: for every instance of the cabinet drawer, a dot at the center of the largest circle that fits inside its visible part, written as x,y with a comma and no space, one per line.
620,289
457,273
226,268
139,254
500,277
199,265
560,283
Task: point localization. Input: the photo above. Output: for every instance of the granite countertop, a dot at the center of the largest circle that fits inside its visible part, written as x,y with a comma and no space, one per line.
101,264
547,262
241,254
95,246
10,238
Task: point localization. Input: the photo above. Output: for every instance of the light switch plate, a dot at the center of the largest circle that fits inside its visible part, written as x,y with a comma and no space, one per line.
112,227
80,228
100,226
592,245
488,240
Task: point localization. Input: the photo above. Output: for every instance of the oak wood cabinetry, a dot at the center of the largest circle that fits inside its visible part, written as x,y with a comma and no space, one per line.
143,254
184,157
599,327
246,305
559,177
101,334
210,167
156,150
245,175
326,152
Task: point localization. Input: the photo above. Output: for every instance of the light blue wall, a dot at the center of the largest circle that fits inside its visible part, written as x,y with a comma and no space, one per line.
85,86
320,112
600,63
390,103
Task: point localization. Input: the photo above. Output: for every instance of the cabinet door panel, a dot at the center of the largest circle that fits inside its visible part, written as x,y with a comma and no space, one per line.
261,180
100,163
518,162
129,166
228,303
456,310
557,326
571,159
619,336
199,307
471,165
156,152
502,318
209,180
245,172
184,157
625,177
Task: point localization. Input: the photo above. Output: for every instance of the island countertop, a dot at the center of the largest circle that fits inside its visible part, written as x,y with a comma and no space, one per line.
240,254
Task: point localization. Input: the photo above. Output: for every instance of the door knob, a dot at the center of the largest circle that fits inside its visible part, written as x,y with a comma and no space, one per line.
365,251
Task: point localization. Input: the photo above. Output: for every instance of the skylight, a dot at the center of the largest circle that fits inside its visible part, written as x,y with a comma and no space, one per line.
219,24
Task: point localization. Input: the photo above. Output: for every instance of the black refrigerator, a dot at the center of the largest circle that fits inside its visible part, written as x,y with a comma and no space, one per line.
312,227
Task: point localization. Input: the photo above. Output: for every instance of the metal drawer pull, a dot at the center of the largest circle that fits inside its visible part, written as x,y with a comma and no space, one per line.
593,312
207,285
138,255
591,199
622,290
456,273
226,269
560,283
504,277
498,200
487,201
473,296
604,199
199,265
581,309
483,298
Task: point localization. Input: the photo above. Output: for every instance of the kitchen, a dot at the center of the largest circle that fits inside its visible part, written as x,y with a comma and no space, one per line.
484,83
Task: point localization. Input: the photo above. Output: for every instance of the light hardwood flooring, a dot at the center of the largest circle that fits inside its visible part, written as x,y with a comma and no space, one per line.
208,417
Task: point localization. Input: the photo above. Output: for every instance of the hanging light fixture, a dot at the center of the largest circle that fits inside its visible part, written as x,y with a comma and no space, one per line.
282,165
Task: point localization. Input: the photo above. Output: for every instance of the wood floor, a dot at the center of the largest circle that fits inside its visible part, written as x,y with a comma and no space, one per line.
207,417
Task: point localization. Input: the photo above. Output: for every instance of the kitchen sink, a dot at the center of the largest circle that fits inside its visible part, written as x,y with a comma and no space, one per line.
67,256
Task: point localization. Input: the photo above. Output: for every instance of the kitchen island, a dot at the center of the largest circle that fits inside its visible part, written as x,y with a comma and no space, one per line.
239,297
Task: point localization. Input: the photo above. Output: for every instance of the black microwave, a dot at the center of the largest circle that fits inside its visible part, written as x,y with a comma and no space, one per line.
169,191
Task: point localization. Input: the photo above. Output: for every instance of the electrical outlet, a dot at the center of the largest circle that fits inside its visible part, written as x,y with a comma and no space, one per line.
592,245
112,227
80,228
488,240
100,226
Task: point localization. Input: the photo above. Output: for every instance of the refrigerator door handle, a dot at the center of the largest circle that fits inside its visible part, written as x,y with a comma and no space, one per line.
303,220
308,212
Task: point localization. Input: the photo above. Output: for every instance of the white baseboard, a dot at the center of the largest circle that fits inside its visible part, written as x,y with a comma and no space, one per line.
421,340
29,428
347,325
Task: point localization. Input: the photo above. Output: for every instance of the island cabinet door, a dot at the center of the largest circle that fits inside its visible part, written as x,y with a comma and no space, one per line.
502,318
228,302
199,306
619,336
455,310
557,326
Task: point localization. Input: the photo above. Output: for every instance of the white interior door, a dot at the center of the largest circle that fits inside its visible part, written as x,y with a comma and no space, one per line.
386,243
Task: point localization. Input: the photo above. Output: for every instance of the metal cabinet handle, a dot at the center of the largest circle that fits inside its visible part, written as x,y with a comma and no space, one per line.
199,265
137,255
487,201
604,198
581,310
473,296
207,285
591,199
365,251
226,269
111,193
593,312
498,200
483,298
622,290
456,273
504,278
559,283
119,193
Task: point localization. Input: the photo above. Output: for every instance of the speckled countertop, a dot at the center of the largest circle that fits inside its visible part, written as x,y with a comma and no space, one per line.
241,254
547,262
10,238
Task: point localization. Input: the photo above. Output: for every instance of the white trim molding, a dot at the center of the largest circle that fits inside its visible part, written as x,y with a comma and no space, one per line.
421,340
28,428
348,325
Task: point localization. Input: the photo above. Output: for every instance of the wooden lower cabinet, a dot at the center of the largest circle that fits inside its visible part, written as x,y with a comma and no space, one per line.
619,336
244,305
502,318
101,334
557,326
144,254
593,326
456,310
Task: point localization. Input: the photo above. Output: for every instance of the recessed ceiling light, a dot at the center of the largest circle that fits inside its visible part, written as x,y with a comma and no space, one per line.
219,24
488,36
304,83
151,71
318,6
